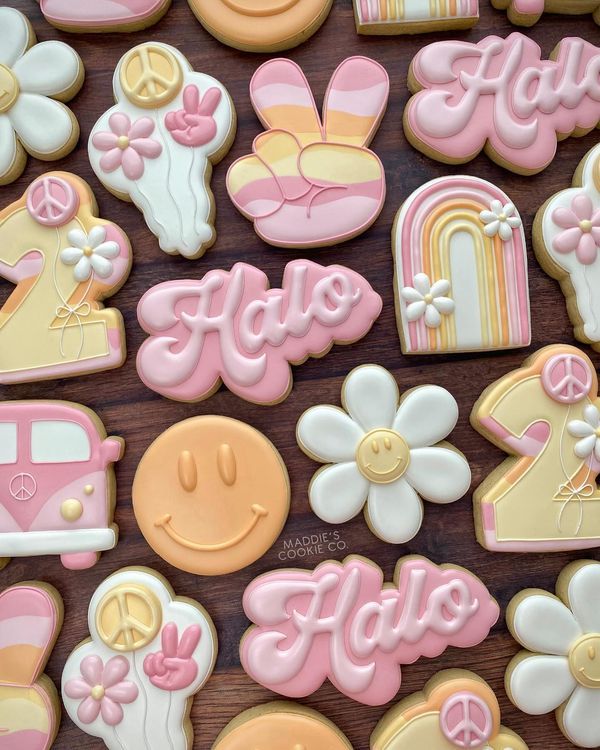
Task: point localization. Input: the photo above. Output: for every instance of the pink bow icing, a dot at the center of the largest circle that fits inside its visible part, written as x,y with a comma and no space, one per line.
127,145
173,668
194,125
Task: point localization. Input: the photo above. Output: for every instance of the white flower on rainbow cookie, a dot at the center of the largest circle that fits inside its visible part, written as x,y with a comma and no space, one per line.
384,452
90,253
500,220
427,299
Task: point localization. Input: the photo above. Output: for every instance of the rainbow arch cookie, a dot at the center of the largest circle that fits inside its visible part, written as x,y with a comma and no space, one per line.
461,269
414,16
529,12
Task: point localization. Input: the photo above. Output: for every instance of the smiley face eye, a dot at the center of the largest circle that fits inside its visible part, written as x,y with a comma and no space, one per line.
188,473
388,443
375,446
591,653
227,464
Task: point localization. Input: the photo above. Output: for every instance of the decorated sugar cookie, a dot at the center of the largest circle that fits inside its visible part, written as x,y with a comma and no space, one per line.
281,726
230,327
461,269
546,416
158,144
132,682
566,239
529,12
103,15
383,453
34,81
499,96
57,482
211,495
413,16
341,622
560,668
261,25
313,182
456,710
64,261
31,616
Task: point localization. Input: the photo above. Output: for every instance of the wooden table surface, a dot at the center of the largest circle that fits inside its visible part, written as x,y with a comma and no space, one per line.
129,409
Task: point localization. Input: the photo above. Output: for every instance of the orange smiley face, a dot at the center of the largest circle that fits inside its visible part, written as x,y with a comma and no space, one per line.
211,495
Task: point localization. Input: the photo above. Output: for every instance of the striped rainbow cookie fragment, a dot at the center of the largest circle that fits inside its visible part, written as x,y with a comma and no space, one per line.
460,269
529,12
313,182
30,620
414,16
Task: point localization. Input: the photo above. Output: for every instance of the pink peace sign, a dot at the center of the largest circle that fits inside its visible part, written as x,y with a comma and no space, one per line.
567,378
466,720
174,668
52,201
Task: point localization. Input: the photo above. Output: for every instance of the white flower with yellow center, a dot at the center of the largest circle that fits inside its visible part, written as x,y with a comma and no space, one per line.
588,430
90,253
383,453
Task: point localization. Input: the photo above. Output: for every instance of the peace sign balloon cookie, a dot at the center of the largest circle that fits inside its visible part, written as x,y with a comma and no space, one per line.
158,144
132,682
456,710
103,15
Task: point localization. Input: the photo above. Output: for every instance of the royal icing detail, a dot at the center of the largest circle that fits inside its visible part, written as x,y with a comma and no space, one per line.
230,327
529,12
57,481
560,670
149,652
567,243
313,182
544,415
281,726
64,261
211,495
157,144
456,710
499,95
461,269
413,16
340,622
30,620
385,452
261,25
103,15
32,76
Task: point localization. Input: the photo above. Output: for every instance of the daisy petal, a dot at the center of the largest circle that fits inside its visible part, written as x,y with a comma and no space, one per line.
14,36
584,595
112,713
395,511
587,250
445,305
432,317
141,128
514,222
578,428
491,229
133,164
440,288
416,310
370,396
108,249
71,255
77,688
422,283
43,125
505,231
329,434
411,295
509,209
568,240
582,206
105,141
48,68
337,493
440,475
111,160
542,623
580,718
565,218
102,267
115,670
88,710
83,269
8,146
487,217
426,415
147,147
584,448
496,206
78,238
592,415
91,670
539,684
119,123
96,236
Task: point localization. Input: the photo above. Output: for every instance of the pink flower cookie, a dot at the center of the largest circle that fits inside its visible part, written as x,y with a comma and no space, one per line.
313,182
529,12
413,16
230,327
103,15
157,145
132,682
341,622
31,616
500,96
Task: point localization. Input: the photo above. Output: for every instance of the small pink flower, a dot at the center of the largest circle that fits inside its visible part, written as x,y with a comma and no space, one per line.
127,145
194,125
102,689
582,229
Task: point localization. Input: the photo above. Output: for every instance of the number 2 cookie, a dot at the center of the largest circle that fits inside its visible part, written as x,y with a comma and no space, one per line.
413,16
456,710
529,12
103,15
158,144
132,682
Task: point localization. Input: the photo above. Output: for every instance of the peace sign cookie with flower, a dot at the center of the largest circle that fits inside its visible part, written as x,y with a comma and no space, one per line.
383,453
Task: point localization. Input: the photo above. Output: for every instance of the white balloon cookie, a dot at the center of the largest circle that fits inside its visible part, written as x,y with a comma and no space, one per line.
132,682
34,81
561,667
157,145
383,451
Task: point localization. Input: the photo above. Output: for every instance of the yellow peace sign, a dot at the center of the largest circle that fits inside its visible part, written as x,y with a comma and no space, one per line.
150,76
128,617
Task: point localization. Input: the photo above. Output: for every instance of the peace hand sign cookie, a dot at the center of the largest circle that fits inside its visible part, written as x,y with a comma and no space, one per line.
157,145
103,15
132,682
313,182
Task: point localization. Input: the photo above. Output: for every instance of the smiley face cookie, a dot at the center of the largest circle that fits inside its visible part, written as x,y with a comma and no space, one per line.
261,25
281,726
211,495
34,81
456,710
560,668
103,15
132,682
529,12
156,147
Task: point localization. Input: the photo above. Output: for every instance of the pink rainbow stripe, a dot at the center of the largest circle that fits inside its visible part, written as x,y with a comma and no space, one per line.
26,739
27,630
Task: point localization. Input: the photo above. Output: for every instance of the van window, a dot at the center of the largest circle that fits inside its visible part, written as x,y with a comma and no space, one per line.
8,442
57,441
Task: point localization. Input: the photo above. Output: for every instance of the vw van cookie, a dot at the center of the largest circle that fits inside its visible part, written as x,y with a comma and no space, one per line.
57,482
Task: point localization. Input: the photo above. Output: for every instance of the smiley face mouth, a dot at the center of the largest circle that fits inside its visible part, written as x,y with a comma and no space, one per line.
258,512
587,677
387,471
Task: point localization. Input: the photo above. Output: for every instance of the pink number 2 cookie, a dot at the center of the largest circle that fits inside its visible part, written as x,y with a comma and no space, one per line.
529,12
103,15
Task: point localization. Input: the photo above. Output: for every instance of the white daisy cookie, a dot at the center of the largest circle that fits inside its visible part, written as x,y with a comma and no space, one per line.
560,670
383,453
34,81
